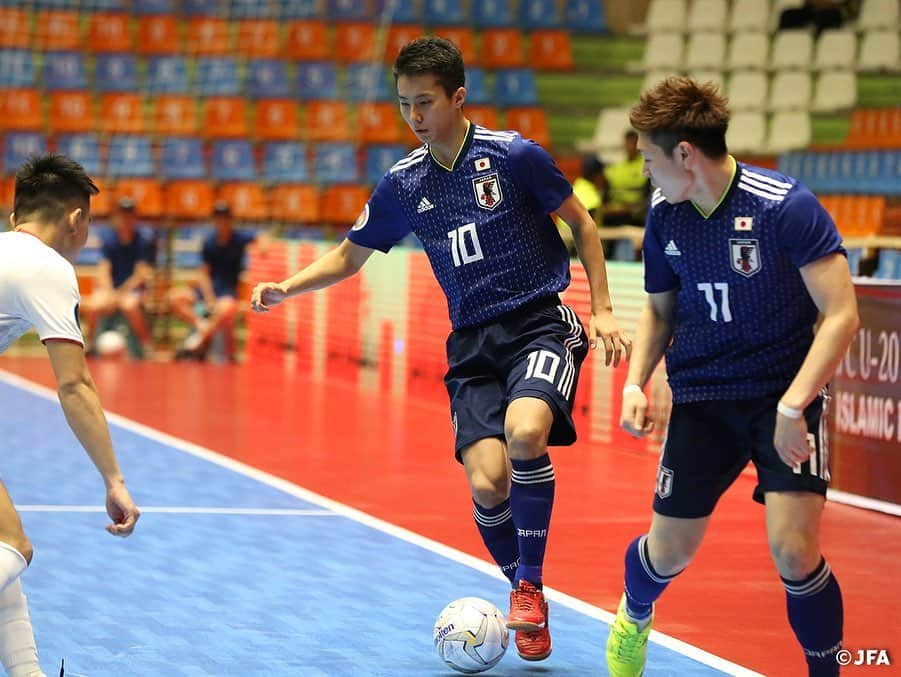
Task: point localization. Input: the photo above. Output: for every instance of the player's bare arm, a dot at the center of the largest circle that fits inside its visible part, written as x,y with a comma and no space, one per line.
81,404
828,280
341,262
655,330
602,325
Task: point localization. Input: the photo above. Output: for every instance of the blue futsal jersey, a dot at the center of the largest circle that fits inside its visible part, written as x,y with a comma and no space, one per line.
743,319
484,223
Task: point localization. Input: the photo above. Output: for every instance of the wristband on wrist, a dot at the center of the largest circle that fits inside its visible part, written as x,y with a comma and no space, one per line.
789,412
632,388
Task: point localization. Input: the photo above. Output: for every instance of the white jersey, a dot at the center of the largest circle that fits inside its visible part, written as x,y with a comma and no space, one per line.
38,288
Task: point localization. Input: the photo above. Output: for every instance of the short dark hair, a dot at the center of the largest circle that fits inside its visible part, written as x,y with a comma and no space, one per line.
680,109
432,55
591,167
50,185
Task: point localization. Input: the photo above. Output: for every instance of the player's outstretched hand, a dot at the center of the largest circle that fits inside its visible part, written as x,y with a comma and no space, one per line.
790,440
265,295
634,418
603,328
122,510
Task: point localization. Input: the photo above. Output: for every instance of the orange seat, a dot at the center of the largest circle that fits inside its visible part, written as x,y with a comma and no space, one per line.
327,121
551,51
189,199
378,123
307,41
101,204
398,36
343,204
531,122
482,115
157,34
354,42
245,198
7,193
108,32
276,119
502,48
56,29
16,27
122,113
147,194
207,36
174,114
297,203
71,112
464,39
225,117
258,38
20,109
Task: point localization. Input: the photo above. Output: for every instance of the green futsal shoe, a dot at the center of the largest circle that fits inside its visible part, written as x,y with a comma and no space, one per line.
627,646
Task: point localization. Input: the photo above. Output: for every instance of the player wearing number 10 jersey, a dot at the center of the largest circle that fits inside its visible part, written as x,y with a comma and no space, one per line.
479,201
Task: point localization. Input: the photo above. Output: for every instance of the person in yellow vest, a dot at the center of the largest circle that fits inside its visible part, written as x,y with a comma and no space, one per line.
590,187
629,187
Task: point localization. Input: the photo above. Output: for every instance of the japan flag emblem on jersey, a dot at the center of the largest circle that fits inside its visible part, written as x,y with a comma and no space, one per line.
743,222
482,164
745,256
488,191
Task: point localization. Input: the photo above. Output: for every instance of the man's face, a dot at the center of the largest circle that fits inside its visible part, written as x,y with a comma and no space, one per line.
668,173
427,108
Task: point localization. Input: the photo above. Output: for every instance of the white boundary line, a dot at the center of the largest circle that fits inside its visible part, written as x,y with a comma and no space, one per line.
863,502
185,510
365,519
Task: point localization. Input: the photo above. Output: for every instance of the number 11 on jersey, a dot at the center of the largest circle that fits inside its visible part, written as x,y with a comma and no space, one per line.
721,312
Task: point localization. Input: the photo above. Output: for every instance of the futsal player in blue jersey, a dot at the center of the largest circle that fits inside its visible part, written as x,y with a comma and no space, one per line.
479,201
740,263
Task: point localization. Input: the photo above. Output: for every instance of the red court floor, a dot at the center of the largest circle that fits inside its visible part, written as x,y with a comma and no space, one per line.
391,457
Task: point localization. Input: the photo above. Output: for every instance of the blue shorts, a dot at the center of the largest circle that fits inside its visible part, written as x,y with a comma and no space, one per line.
709,443
534,351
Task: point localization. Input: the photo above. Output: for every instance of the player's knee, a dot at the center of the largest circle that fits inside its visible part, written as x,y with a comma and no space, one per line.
526,438
794,555
489,491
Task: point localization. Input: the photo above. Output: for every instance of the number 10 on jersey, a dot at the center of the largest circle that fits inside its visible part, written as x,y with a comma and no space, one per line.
465,247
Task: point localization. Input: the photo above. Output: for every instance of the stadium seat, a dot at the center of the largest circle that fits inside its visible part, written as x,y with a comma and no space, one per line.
225,117
776,9
217,76
879,51
663,51
201,8
875,128
748,90
102,202
57,30
476,87
515,87
502,48
611,124
486,116
705,50
71,112
835,48
463,38
258,38
84,149
173,115
327,121
792,49
285,162
17,27
207,36
748,16
585,16
538,14
108,32
294,203
443,13
64,70
790,90
19,146
307,41
889,266
531,122
651,78
316,80
122,113
233,161
167,74
878,14
398,11
379,159
189,200
249,9
492,14
21,109
665,16
347,10
182,158
835,91
16,68
341,205
366,82
276,119
378,123
246,199
266,79
130,155
153,7
156,35
789,130
354,42
398,36
335,162
707,15
748,51
747,132
551,51
115,73
715,76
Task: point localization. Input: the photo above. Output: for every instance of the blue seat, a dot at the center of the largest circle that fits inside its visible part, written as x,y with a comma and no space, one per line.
266,79
300,9
201,7
335,163
492,14
84,149
855,254
366,82
515,87
285,162
348,10
182,159
476,87
538,14
153,7
889,266
167,75
379,159
19,146
249,9
233,161
790,165
398,11
444,13
16,68
64,70
316,80
890,173
115,73
585,16
130,155
217,76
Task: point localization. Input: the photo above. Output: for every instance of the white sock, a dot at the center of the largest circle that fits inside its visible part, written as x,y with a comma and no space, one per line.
18,652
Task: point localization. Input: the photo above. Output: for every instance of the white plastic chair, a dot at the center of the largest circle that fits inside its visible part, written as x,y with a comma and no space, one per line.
747,132
792,49
789,130
748,90
835,48
749,15
705,50
879,50
665,16
663,50
707,15
876,14
790,90
748,50
835,91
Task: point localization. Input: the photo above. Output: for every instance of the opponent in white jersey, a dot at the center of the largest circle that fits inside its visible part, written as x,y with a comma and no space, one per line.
38,288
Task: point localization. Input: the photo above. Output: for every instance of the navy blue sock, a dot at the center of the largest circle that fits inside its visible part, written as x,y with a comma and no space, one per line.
643,584
497,530
816,615
531,501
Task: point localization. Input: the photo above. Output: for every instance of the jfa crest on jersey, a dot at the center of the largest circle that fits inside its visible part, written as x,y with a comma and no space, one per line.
484,222
743,320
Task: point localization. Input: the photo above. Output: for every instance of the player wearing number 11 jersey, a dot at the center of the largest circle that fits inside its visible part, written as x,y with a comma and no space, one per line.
479,201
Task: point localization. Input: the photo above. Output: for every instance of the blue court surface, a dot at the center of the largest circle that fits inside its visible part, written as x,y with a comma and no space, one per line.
234,572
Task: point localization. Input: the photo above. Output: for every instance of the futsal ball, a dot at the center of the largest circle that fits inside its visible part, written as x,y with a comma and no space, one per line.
110,344
471,635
